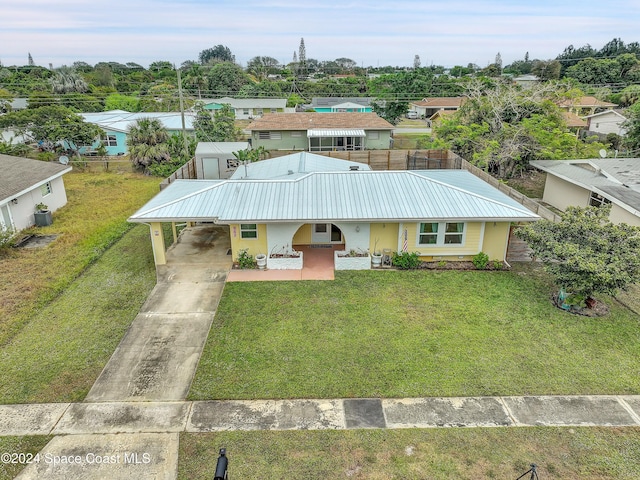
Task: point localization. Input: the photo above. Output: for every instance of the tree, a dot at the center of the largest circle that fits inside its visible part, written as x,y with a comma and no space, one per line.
390,110
416,61
585,252
204,125
226,79
549,70
67,80
224,129
116,101
52,127
261,67
632,125
147,143
5,100
302,58
30,61
219,53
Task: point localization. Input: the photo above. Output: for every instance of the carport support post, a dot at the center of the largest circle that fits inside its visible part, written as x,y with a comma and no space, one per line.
175,232
157,242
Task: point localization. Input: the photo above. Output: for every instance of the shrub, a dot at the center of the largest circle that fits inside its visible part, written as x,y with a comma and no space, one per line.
245,260
7,239
498,265
406,260
480,260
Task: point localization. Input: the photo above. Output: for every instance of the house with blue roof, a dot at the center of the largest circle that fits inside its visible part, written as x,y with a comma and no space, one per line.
115,126
278,205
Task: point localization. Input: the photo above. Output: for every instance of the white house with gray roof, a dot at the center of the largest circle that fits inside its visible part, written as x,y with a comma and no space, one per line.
305,199
594,182
25,183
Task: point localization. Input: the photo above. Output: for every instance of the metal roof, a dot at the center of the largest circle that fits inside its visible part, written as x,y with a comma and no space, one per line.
335,132
247,102
120,121
205,148
336,196
294,166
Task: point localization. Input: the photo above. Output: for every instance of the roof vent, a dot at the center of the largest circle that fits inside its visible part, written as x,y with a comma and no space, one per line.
290,172
353,168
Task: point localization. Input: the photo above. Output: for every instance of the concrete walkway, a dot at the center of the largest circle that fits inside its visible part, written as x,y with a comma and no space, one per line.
155,362
309,414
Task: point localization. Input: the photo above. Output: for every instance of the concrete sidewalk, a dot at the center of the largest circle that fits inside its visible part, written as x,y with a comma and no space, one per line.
310,414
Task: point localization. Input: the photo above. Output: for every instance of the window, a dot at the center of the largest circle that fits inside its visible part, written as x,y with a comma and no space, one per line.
232,163
296,134
46,189
248,230
259,111
428,234
374,135
109,141
274,110
441,233
245,111
453,233
269,135
596,200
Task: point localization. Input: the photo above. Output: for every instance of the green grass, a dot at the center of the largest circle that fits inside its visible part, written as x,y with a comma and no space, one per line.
66,306
18,445
59,353
501,453
413,334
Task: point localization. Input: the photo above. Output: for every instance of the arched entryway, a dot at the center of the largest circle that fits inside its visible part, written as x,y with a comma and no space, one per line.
318,241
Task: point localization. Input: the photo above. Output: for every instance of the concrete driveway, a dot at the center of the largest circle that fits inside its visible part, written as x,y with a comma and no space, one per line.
159,354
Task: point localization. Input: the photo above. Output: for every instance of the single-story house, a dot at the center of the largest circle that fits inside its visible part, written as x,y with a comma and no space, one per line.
594,182
216,159
25,183
609,121
526,81
116,123
278,205
321,132
341,104
586,105
248,108
426,107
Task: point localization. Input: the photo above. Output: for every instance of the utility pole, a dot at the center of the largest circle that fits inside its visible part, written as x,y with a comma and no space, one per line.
184,130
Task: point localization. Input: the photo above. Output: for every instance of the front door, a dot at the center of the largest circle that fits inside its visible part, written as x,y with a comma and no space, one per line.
325,233
321,233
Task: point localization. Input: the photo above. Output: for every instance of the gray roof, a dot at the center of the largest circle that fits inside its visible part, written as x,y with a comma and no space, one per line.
204,148
248,102
120,120
336,196
20,175
294,166
618,179
319,102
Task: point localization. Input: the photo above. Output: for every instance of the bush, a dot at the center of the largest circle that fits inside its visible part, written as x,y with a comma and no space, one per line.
480,260
498,265
406,260
7,240
245,260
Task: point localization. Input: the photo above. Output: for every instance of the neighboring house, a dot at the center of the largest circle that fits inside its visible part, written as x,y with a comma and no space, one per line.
248,108
341,104
606,122
321,131
25,183
583,106
593,182
305,199
440,115
573,121
216,159
426,107
526,81
115,125
19,103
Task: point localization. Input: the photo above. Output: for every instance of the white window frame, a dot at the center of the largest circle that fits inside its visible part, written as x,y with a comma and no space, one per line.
249,228
597,200
441,235
109,140
374,135
270,135
45,189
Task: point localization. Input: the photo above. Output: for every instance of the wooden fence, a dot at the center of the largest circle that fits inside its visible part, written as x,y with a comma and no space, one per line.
187,171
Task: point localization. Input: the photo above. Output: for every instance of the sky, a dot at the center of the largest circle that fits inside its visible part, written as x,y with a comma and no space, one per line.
372,33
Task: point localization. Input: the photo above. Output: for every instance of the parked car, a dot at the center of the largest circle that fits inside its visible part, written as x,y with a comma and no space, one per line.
412,114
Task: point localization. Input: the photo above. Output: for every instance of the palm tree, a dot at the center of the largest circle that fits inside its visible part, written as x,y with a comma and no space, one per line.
67,80
147,143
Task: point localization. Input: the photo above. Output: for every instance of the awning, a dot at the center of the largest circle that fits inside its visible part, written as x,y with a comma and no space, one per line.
330,132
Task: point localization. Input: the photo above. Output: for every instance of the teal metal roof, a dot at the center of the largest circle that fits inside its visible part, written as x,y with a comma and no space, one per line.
336,196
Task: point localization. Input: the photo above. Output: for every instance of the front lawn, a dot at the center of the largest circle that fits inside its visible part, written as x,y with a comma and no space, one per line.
413,334
467,453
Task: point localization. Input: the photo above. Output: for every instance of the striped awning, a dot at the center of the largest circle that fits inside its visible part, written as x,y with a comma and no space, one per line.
335,132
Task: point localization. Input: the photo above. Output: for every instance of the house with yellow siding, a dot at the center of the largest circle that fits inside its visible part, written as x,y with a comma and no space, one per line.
275,207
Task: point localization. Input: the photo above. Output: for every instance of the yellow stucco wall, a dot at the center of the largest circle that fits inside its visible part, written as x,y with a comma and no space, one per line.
495,240
466,251
303,235
254,246
386,235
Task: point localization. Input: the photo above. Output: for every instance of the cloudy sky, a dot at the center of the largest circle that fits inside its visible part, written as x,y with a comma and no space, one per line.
372,33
